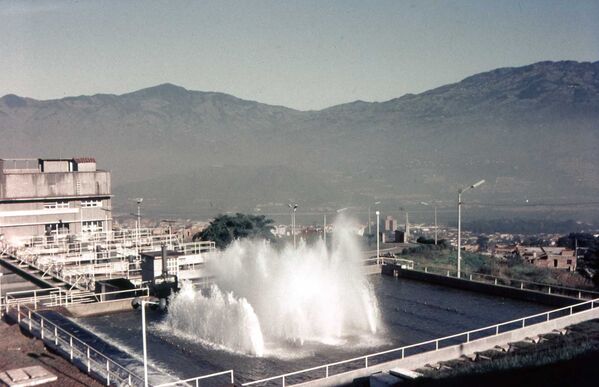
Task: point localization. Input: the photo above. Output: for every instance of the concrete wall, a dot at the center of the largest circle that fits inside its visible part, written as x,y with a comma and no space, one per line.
455,351
26,199
54,185
30,217
113,306
496,290
57,165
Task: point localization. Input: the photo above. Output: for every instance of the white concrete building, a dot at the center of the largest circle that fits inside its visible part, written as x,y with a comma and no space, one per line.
53,197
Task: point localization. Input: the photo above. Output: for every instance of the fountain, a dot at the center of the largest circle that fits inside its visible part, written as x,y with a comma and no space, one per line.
262,295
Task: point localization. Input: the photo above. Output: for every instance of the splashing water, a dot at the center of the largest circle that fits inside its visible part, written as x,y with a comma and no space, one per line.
294,295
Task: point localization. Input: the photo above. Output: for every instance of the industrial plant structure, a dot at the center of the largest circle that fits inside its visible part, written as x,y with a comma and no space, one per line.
53,197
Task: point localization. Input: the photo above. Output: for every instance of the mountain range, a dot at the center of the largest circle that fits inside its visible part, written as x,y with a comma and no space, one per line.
532,132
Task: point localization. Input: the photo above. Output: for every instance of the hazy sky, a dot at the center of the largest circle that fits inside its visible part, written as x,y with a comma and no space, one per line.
301,54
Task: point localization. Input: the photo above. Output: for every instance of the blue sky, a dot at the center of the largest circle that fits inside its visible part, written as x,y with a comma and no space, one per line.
301,54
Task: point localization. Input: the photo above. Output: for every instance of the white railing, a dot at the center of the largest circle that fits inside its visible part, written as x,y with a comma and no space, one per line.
78,352
60,297
514,283
196,380
80,259
430,345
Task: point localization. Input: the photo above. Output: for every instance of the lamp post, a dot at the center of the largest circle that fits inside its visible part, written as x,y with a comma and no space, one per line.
324,230
1,274
435,207
377,238
143,333
369,222
460,192
293,209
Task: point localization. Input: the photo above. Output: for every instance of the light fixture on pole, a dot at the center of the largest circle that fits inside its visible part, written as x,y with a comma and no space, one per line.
293,209
460,192
369,221
324,229
143,333
1,274
436,228
139,201
378,251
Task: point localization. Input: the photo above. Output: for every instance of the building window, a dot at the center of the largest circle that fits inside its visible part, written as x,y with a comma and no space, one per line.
91,203
57,228
52,205
555,263
569,262
92,226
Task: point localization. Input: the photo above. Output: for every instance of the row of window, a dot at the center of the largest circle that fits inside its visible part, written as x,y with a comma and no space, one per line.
65,204
63,228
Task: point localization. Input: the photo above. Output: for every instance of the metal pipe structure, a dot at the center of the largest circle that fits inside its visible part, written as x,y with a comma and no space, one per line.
460,192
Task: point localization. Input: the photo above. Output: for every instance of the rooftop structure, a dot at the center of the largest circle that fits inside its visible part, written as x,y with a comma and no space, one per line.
53,197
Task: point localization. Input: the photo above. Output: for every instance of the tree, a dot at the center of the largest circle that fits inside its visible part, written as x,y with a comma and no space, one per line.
483,242
224,229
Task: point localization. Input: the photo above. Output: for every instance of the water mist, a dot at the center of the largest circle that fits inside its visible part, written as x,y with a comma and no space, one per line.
263,295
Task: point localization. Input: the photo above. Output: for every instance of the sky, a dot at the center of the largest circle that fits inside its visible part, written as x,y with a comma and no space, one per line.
300,54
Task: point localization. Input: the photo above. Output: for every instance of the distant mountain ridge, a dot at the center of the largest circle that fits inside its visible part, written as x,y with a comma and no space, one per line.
531,131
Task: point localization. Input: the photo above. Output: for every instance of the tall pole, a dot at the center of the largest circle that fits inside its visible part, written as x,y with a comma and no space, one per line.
436,225
139,214
145,349
459,233
1,274
324,230
369,223
377,238
460,192
292,209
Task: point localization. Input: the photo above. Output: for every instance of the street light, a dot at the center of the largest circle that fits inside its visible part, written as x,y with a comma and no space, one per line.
143,333
460,192
324,230
293,209
369,222
139,201
1,274
435,206
377,238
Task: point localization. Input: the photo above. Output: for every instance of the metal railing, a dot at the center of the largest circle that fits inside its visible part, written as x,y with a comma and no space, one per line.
327,370
196,380
59,297
78,352
513,283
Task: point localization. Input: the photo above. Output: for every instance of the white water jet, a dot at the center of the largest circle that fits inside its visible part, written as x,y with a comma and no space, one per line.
216,317
292,295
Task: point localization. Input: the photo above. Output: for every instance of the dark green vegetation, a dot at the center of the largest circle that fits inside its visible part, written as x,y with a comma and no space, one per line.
568,360
224,229
513,268
590,245
530,131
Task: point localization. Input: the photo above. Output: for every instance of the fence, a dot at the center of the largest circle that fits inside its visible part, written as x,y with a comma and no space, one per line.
327,370
77,351
196,380
59,297
514,283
